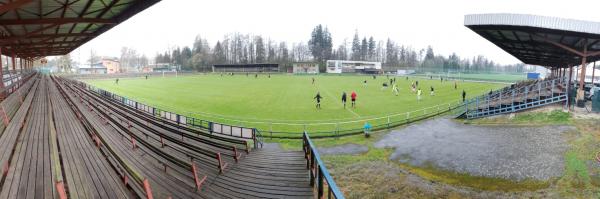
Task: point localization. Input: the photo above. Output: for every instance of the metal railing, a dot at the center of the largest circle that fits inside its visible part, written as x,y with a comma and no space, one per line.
318,171
292,129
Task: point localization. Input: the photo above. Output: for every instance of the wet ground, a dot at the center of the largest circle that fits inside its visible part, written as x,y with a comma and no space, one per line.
345,149
515,153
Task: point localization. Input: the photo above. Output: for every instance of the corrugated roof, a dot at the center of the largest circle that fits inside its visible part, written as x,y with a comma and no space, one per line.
38,28
539,40
533,21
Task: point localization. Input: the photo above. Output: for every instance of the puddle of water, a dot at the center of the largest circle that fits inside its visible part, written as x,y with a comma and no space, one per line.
499,151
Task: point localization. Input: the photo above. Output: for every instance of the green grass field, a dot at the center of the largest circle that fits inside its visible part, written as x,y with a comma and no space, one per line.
482,76
285,102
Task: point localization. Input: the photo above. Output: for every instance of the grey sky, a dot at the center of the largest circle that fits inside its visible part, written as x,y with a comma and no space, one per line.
415,23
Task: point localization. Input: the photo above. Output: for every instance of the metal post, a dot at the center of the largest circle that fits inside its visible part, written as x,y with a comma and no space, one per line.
581,90
388,123
539,91
466,107
477,105
569,87
488,104
337,128
1,74
526,94
500,100
552,90
320,187
14,63
513,101
593,73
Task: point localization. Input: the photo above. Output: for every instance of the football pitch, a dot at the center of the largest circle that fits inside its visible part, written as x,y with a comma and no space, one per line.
286,102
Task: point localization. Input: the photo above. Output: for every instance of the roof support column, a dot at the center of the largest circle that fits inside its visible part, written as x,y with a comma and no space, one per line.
581,90
14,62
559,72
593,73
569,87
1,75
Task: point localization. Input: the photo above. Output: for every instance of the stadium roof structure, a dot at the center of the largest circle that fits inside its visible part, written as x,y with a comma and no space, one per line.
539,40
37,28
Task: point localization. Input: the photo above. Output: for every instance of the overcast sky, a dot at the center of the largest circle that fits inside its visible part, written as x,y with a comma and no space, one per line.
415,23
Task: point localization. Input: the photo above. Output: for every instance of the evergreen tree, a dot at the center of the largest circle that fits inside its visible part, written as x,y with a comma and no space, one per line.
364,49
429,54
390,52
219,54
372,46
355,47
320,43
186,55
198,46
260,50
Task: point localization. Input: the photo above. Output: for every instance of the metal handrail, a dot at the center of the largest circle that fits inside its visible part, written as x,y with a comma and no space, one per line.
258,138
318,171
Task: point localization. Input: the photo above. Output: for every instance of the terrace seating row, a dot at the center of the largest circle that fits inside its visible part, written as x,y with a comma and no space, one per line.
64,140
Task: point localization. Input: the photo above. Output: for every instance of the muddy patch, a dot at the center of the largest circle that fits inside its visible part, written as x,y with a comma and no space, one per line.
515,153
346,149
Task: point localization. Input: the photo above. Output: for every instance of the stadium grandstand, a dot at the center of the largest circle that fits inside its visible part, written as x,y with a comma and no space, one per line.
246,68
346,66
305,68
60,138
555,43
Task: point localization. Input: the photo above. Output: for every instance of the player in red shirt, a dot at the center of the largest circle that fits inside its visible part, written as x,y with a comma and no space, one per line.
353,96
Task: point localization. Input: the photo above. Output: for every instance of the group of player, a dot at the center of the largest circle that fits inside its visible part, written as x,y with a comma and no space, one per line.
353,97
395,89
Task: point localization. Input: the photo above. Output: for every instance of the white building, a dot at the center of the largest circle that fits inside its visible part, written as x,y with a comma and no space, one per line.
305,68
346,66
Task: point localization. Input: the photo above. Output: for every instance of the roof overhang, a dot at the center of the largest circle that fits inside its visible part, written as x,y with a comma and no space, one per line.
539,40
38,28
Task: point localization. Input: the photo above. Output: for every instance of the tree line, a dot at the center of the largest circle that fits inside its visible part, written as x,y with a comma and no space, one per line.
237,48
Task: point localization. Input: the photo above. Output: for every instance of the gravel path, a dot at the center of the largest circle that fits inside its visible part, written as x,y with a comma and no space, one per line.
515,153
344,149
